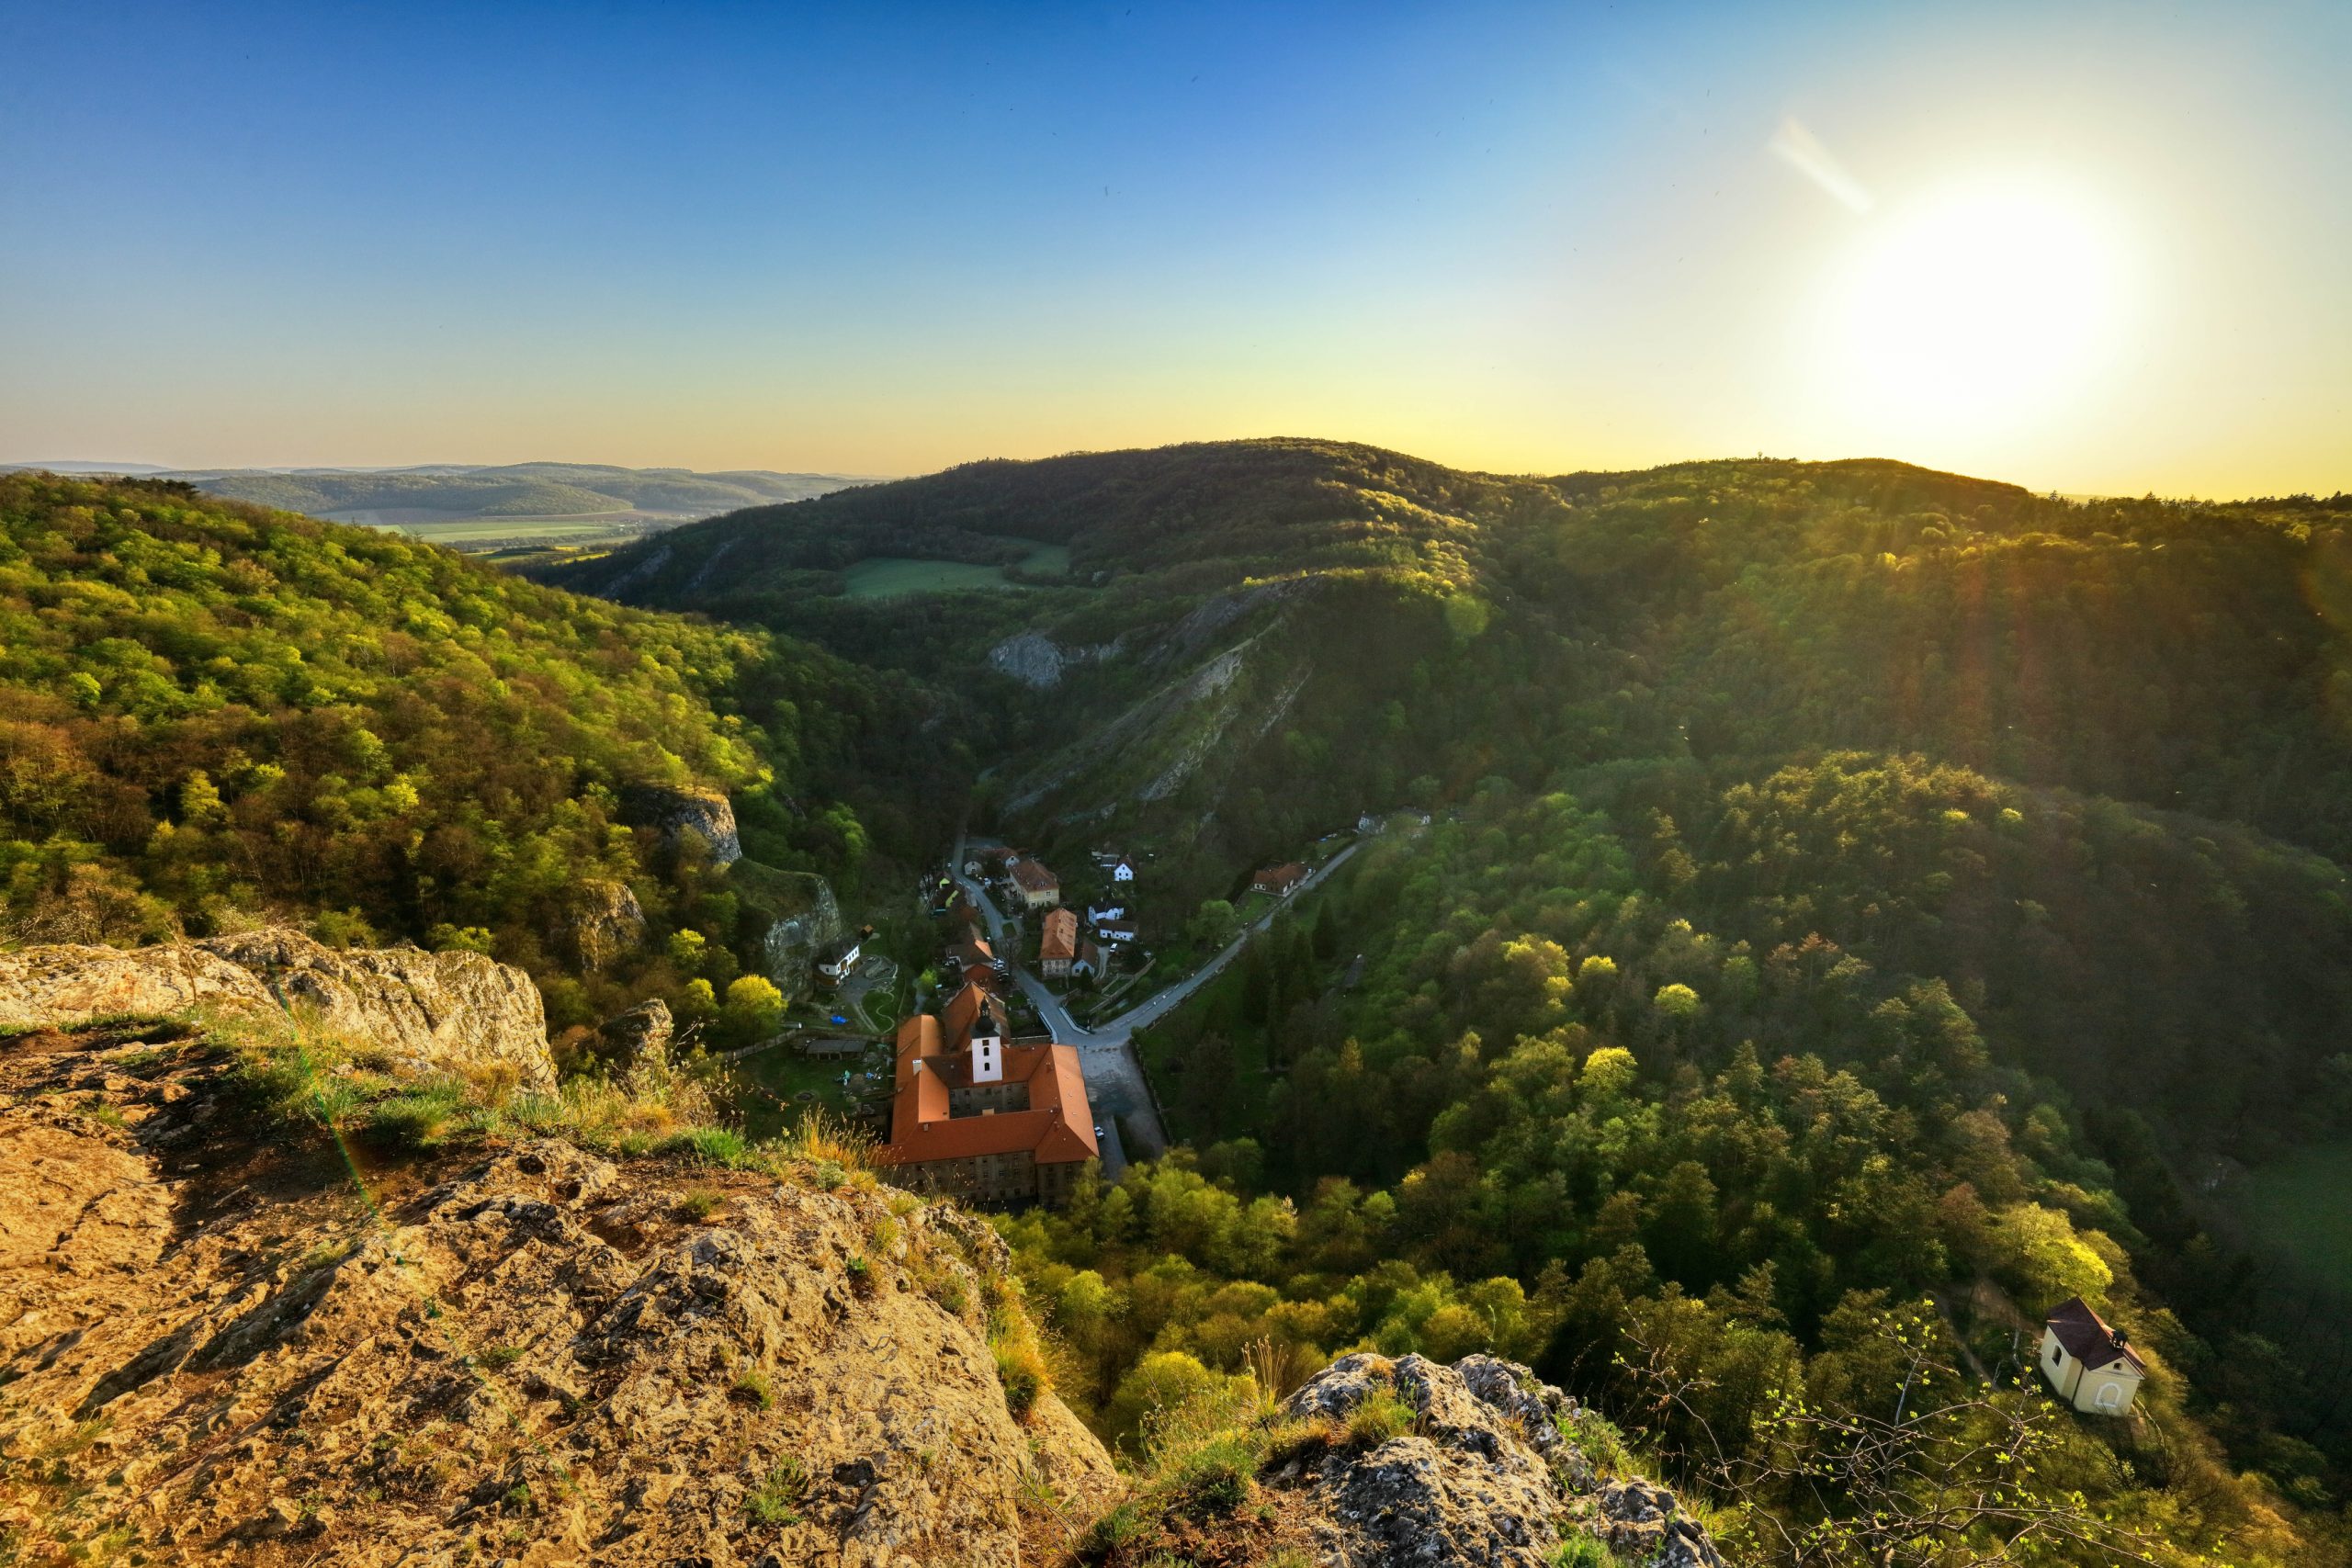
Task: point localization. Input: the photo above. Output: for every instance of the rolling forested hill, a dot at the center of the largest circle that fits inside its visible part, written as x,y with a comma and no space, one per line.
212,714
513,489
1858,902
1850,885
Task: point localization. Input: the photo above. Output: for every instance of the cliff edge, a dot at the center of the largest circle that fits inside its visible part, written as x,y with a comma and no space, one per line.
223,1342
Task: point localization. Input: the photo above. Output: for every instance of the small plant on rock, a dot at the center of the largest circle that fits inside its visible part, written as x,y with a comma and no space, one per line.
751,1387
780,1496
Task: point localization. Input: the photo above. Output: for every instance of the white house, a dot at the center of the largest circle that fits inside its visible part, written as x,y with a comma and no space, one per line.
1095,917
838,961
2088,1363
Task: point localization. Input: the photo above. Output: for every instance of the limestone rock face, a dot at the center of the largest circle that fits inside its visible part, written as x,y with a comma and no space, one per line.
1036,659
606,921
1485,1477
425,1012
535,1356
68,984
687,809
453,1011
639,1037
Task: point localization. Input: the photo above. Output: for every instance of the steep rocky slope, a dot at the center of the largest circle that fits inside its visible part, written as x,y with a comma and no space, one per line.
424,1011
221,1342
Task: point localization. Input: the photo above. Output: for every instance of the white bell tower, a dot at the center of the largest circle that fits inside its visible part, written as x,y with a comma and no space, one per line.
988,1052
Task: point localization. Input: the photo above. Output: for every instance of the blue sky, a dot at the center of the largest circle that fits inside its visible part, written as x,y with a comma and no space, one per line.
885,239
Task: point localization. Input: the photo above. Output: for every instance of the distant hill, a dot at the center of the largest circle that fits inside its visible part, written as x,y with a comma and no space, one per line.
1283,632
479,508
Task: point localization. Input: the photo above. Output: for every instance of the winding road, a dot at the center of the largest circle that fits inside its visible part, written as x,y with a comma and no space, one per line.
1114,1082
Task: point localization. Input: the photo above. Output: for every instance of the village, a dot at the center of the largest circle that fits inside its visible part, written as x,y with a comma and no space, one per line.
985,1042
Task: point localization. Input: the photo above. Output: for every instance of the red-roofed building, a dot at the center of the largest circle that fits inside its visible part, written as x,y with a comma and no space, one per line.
982,1119
1059,944
1279,881
1038,889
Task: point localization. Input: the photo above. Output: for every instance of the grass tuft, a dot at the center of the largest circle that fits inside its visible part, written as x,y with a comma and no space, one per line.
780,1496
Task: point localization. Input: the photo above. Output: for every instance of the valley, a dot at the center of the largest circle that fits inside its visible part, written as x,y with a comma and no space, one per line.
1639,926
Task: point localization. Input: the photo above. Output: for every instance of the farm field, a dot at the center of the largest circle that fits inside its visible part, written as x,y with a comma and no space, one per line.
2298,1206
886,577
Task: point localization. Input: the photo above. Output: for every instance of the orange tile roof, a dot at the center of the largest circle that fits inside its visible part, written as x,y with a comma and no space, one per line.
1033,877
1057,1127
1279,878
1060,940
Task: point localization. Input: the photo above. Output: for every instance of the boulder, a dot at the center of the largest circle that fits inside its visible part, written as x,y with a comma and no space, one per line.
423,1012
637,1038
605,921
1486,1475
678,810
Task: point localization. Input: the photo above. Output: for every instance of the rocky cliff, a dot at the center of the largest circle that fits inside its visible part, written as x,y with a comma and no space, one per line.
428,1012
221,1343
1489,1471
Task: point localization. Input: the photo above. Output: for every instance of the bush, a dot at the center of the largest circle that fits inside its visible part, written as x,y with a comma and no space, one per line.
1379,1417
1021,1368
1215,1478
780,1496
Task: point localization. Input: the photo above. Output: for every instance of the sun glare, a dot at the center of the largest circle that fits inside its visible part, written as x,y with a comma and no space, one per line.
1976,309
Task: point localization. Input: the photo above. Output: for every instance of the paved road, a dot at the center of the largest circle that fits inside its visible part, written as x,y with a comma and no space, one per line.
1114,1083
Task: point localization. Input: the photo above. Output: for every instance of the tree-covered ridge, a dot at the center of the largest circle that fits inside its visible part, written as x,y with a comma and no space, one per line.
1714,1099
1183,519
210,712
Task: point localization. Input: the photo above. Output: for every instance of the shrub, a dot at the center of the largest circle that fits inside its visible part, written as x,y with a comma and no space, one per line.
780,1496
1580,1551
701,1203
1214,1477
1022,1369
751,1387
1379,1417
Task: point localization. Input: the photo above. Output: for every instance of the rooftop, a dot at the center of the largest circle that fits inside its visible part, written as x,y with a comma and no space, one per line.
1031,876
2085,1336
1058,1126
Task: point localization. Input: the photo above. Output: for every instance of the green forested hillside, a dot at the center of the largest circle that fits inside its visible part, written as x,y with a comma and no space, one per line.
1714,1099
1859,902
1851,886
210,714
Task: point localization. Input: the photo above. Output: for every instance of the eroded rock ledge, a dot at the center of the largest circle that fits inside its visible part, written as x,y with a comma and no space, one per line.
230,1350
424,1011
1484,1477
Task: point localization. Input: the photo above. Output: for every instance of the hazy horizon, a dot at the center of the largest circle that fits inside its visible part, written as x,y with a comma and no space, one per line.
2084,248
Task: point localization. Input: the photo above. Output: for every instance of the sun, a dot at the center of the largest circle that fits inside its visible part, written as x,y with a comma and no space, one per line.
1981,306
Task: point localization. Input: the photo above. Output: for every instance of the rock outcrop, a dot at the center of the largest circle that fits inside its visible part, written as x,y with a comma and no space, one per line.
422,1012
605,921
1488,1473
1037,660
687,809
635,1039
225,1349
